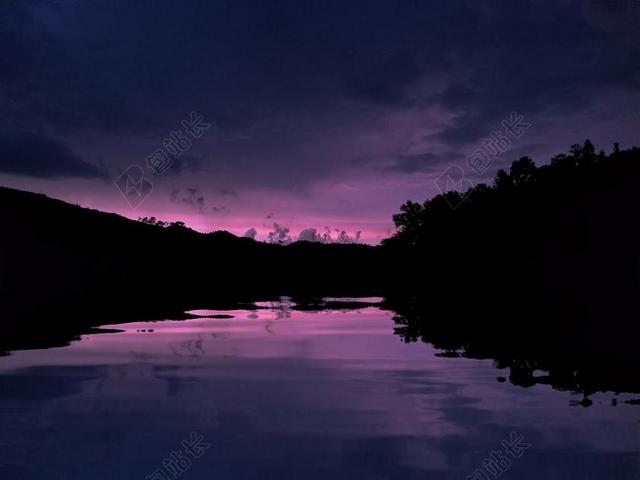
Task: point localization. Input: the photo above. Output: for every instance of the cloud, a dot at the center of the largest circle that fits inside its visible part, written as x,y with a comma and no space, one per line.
464,64
385,81
620,17
309,235
219,209
228,192
251,233
341,236
344,237
312,235
424,162
33,154
280,235
190,196
184,163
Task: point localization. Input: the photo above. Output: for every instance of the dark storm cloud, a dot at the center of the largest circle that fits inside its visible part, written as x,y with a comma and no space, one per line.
385,81
620,17
424,162
274,76
32,154
227,192
410,163
548,63
183,164
190,196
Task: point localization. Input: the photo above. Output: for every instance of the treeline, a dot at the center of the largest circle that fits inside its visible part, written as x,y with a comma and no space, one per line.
563,178
566,230
541,268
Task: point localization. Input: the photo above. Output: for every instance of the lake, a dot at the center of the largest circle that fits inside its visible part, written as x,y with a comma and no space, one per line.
268,391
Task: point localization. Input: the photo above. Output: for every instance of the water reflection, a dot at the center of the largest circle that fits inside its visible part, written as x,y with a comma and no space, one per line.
285,393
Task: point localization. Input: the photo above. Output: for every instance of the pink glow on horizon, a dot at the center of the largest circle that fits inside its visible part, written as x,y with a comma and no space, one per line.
348,206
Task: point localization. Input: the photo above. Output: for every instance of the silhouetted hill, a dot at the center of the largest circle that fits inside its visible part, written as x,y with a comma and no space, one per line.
56,257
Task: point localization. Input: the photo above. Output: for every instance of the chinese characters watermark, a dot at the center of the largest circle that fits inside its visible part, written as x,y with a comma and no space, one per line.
178,462
132,182
499,461
496,144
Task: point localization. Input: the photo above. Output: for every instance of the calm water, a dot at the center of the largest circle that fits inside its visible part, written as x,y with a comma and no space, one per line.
276,393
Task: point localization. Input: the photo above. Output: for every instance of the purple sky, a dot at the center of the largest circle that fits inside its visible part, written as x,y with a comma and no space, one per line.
323,114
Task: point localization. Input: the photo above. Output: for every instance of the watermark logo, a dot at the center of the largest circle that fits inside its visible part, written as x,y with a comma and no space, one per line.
133,184
499,141
180,461
453,179
499,461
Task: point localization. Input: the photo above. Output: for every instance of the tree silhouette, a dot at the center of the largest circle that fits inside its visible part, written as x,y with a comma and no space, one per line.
409,216
503,180
524,183
522,171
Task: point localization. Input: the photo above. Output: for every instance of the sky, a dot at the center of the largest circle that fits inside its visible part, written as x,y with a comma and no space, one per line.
302,118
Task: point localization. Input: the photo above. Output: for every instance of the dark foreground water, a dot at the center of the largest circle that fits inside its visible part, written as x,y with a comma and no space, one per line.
275,393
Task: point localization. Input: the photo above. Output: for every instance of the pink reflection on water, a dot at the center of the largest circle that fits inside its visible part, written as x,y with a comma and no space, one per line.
276,375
